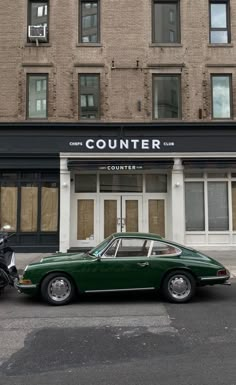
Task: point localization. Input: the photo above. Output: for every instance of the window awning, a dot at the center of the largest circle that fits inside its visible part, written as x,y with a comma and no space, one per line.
119,165
209,163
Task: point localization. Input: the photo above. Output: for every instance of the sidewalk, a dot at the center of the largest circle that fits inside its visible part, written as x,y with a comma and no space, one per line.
226,257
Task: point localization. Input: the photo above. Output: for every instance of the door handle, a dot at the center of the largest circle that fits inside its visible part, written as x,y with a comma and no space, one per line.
143,264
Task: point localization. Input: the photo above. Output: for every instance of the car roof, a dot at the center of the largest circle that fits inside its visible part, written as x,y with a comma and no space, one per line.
137,235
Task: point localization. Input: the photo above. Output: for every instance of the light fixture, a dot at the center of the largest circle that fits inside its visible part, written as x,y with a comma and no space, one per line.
177,184
139,105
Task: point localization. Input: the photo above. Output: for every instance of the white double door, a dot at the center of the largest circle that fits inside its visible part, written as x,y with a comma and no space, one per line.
96,216
120,213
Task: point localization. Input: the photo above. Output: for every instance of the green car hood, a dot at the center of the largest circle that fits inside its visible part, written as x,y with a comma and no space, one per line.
65,258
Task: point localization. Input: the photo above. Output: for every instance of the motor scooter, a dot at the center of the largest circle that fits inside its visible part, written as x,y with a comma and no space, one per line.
8,271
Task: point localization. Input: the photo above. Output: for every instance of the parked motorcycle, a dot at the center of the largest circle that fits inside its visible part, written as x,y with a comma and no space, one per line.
8,270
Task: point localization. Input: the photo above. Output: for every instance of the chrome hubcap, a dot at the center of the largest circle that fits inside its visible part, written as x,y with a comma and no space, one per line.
179,287
59,289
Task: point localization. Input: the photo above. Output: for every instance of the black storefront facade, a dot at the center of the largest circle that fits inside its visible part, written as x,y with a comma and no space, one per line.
66,186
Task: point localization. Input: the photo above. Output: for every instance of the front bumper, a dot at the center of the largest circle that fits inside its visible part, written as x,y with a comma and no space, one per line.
27,289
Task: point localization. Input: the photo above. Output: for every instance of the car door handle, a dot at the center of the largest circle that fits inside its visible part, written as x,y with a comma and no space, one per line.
143,264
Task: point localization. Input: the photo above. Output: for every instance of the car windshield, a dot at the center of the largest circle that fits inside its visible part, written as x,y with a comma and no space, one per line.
95,252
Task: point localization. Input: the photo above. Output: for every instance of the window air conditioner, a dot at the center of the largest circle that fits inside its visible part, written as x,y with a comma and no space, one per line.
37,33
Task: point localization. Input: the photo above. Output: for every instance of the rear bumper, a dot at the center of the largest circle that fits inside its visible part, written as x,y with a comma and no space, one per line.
214,280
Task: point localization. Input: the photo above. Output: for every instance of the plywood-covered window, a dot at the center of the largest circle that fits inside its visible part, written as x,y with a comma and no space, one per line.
49,207
8,207
29,208
29,203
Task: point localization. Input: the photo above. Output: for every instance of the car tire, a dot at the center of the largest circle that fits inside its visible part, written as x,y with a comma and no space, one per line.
57,289
179,286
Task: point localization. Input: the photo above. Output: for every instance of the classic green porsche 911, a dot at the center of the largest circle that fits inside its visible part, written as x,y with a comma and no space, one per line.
124,262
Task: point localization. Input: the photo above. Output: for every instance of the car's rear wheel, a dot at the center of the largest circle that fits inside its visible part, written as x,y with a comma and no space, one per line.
57,289
179,286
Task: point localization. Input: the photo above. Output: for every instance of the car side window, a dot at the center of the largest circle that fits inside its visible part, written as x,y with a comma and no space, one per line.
111,251
133,247
161,248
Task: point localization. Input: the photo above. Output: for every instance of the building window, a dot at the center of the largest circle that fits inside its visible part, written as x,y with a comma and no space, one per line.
89,21
221,96
219,22
37,85
38,18
89,96
166,22
166,97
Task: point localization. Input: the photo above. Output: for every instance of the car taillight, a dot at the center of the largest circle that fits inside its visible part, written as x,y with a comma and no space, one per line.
221,272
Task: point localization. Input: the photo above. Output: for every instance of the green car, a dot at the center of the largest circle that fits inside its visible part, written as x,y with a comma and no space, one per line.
123,262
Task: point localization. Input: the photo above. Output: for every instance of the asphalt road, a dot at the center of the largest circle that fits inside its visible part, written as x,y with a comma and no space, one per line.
114,340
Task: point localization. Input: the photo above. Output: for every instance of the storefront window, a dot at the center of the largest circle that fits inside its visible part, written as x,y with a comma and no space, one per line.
234,205
217,175
218,206
212,205
156,183
85,183
194,206
29,203
121,183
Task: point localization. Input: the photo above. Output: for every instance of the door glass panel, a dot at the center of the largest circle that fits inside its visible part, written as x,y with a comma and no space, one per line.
49,208
131,215
121,183
110,217
29,208
156,217
85,219
8,207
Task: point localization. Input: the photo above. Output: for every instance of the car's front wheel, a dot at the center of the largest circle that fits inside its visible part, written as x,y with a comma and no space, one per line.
179,286
57,289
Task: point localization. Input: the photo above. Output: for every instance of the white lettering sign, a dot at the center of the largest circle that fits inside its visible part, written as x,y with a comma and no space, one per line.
128,144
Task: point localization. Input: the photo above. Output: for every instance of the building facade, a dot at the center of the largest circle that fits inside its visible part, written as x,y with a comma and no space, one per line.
118,116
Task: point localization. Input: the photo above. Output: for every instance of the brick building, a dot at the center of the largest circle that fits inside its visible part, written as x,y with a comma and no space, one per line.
118,116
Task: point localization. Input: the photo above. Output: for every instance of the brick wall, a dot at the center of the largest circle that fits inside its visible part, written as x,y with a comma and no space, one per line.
126,91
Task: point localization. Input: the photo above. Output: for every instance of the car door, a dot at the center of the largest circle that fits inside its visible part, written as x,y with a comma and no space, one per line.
123,266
